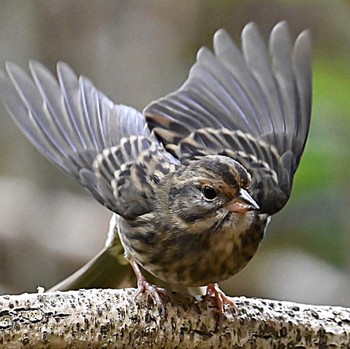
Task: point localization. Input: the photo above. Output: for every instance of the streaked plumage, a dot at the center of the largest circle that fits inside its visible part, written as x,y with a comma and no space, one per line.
178,175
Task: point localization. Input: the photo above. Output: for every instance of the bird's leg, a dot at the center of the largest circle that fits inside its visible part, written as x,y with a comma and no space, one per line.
143,285
213,290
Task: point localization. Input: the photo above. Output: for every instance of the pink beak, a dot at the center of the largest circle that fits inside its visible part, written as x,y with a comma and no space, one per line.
242,203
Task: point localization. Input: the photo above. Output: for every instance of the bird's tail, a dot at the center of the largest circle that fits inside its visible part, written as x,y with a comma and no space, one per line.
105,270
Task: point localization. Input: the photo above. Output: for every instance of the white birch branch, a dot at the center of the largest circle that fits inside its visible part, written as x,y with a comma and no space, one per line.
115,319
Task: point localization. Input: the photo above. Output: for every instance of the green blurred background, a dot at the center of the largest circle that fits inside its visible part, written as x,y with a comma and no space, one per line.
136,51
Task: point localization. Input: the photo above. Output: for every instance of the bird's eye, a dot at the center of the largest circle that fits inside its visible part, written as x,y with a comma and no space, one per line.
209,192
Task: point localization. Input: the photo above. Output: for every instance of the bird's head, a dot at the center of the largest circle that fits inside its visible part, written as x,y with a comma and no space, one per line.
211,191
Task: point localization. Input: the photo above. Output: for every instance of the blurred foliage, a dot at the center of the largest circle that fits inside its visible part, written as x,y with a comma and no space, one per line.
319,206
324,165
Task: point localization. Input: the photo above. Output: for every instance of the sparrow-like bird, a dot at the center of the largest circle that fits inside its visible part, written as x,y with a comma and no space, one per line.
192,180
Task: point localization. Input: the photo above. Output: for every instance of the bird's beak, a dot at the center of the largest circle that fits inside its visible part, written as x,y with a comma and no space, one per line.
242,203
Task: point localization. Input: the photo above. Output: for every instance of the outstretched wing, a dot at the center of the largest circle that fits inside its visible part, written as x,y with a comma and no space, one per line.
73,124
250,106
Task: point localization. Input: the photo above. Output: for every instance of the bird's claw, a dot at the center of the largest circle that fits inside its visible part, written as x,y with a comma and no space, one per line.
221,298
144,286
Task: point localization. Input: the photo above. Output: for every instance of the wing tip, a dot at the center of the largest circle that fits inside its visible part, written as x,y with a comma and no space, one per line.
222,41
12,68
280,26
248,29
304,41
221,33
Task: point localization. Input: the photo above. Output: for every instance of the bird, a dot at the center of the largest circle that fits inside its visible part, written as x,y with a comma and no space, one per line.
194,179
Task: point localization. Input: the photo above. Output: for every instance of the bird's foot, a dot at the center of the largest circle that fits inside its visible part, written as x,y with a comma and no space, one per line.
221,298
144,286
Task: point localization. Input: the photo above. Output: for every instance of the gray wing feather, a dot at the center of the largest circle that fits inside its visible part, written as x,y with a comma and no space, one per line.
303,76
231,57
256,55
263,93
71,122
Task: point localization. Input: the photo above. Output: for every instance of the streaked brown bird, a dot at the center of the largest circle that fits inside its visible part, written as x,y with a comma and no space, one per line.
193,180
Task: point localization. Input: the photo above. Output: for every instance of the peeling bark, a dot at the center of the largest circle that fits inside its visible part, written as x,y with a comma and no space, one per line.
115,319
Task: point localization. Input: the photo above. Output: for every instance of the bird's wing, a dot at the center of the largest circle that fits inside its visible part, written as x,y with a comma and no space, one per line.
71,123
253,105
129,188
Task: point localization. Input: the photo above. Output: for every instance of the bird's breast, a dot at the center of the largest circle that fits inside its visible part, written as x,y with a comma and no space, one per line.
190,259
